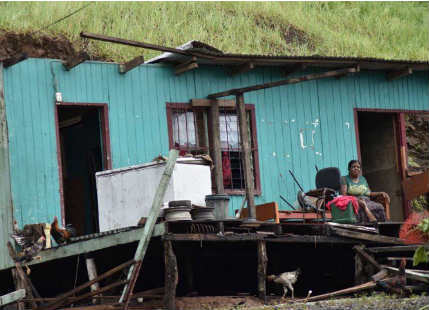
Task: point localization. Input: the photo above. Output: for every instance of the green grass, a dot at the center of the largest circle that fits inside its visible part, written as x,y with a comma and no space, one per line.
392,30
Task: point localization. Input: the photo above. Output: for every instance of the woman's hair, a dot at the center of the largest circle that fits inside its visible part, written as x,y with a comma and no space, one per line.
353,161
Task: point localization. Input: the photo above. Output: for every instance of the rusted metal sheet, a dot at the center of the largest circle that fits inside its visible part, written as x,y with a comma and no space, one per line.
416,185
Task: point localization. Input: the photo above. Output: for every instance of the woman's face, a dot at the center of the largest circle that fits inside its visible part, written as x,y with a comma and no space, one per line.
354,170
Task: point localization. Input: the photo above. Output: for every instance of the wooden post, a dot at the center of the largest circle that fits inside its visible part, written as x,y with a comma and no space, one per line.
171,276
262,270
19,285
359,271
92,274
245,149
215,149
149,225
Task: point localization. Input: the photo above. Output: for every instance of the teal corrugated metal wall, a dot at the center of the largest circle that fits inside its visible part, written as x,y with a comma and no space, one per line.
299,126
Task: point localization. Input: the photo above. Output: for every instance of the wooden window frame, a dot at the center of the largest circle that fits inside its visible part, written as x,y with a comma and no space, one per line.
170,106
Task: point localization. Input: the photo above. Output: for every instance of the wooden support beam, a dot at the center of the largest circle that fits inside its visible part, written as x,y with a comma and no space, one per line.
262,270
13,60
366,236
150,223
396,249
245,151
361,251
186,66
304,78
75,60
240,69
171,276
346,74
206,103
133,63
12,297
215,147
19,285
132,43
293,69
92,274
394,75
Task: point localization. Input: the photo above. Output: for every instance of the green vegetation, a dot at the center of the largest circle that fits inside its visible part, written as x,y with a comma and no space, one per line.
392,30
421,255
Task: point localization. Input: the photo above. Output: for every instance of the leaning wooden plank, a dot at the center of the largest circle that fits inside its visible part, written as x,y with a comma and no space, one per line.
133,63
153,215
12,297
361,250
354,289
365,236
62,298
370,230
411,274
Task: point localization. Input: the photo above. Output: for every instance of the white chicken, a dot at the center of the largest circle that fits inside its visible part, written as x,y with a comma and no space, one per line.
286,279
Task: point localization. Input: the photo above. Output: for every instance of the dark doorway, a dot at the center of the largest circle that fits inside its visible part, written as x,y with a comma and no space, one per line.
83,152
379,151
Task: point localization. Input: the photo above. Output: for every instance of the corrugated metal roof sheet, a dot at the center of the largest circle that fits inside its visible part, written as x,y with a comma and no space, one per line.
207,54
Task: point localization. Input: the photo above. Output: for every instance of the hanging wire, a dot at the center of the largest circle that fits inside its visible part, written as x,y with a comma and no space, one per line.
62,18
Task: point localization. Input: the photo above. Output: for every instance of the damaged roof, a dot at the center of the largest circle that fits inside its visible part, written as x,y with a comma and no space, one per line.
209,55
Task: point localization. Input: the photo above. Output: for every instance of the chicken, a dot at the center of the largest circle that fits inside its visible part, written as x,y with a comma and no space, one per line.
31,240
286,279
397,283
62,235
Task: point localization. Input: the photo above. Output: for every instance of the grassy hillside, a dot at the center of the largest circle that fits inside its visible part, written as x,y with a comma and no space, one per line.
392,30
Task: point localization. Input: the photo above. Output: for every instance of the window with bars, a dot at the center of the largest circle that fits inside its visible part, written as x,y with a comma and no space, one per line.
188,129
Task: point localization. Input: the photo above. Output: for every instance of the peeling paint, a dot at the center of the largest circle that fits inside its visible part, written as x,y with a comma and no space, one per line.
301,138
347,125
316,123
274,154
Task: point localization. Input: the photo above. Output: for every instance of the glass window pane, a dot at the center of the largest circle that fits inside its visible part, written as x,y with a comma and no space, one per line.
184,129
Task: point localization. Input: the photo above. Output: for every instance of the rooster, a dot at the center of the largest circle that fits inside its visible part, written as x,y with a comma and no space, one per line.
62,235
286,279
397,283
31,240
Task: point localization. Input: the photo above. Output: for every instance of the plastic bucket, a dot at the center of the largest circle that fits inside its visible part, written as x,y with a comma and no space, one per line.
220,203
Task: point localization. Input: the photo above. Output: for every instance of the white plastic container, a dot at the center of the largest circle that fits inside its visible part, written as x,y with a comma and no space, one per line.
126,194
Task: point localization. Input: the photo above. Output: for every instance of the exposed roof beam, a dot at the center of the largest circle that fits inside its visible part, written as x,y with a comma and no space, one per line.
394,75
240,69
75,60
208,103
304,78
133,63
345,74
186,66
132,43
14,59
296,68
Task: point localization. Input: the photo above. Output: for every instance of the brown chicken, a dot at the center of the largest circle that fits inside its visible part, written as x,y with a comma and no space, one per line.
286,279
395,284
62,235
31,239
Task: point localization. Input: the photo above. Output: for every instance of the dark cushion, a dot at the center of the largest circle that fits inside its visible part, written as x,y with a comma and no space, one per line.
329,177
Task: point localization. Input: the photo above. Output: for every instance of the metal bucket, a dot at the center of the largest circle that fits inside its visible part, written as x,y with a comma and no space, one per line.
220,204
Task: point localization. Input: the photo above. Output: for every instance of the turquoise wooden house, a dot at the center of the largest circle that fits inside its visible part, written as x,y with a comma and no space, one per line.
58,126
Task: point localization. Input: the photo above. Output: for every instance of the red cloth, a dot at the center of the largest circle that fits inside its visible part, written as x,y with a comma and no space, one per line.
226,169
342,201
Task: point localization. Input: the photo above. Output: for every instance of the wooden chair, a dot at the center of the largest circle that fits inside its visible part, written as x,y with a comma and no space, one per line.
381,200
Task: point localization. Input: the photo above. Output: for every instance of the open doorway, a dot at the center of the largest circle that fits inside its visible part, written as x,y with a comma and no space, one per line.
378,140
83,150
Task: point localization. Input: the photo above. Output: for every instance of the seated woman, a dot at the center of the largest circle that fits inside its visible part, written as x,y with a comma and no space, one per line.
354,184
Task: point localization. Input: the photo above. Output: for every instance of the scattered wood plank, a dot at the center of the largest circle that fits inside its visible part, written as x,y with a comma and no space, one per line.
370,230
186,66
394,75
12,297
365,236
411,274
57,302
350,290
395,249
75,60
309,77
129,65
264,212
